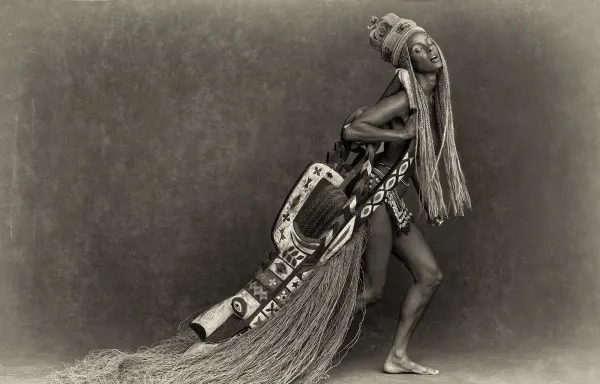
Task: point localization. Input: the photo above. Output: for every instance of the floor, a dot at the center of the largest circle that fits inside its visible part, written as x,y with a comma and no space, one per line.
549,365
573,364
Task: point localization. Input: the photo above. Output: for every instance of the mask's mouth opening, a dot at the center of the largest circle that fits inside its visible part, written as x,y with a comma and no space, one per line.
199,330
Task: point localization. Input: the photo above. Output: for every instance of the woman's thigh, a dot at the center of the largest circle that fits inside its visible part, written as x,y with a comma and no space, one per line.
379,248
415,253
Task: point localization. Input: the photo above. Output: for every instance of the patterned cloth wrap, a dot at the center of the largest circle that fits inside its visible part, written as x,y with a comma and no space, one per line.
396,207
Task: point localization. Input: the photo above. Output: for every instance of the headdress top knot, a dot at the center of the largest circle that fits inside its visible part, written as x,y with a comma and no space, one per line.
373,24
389,33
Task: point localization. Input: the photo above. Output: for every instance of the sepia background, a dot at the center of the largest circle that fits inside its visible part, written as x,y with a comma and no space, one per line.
146,147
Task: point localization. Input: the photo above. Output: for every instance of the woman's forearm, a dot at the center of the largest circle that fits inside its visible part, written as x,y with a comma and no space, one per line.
367,133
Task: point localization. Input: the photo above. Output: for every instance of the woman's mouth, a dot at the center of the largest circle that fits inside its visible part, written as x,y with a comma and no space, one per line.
434,58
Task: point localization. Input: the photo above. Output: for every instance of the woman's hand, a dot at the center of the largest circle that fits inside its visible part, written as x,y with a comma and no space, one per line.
410,128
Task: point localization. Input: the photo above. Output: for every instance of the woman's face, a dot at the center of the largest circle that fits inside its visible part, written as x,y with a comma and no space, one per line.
424,54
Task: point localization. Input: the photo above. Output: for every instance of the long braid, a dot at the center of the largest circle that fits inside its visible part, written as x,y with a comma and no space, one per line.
431,191
459,195
427,167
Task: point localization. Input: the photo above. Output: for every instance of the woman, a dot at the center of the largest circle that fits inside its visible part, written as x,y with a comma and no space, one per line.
408,47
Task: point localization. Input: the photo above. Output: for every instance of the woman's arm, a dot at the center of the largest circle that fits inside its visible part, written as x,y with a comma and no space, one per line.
367,126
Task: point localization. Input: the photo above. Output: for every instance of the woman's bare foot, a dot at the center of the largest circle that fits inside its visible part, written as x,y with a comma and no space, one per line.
402,364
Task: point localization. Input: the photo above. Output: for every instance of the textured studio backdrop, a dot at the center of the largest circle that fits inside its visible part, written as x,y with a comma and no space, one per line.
146,146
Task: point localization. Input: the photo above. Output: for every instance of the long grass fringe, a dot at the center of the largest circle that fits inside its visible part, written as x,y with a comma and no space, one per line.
299,345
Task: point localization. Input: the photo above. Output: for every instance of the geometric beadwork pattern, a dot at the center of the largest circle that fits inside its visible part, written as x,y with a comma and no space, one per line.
366,211
394,176
270,309
294,284
258,321
280,268
257,290
391,183
378,197
268,279
282,297
292,256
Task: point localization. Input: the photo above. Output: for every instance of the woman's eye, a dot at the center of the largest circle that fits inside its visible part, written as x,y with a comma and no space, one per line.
417,50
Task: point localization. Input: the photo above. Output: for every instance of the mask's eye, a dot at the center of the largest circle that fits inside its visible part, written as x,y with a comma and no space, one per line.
429,41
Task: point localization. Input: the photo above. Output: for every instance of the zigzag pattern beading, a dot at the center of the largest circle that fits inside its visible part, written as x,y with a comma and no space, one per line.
387,184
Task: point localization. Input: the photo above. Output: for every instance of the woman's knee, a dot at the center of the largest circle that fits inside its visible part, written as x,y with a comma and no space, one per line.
430,276
373,295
